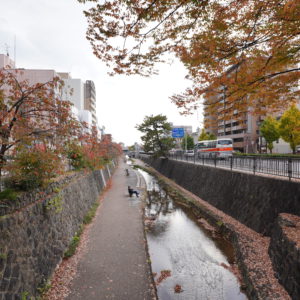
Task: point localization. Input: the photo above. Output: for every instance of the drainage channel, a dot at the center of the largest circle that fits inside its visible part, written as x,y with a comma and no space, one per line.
186,262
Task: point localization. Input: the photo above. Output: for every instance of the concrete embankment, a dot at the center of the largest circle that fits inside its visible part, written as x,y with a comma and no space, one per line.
256,202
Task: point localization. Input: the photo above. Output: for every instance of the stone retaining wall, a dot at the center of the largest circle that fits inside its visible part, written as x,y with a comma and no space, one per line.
255,201
285,253
251,248
35,235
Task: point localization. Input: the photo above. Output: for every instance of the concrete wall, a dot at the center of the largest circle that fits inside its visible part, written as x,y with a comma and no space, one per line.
36,231
255,201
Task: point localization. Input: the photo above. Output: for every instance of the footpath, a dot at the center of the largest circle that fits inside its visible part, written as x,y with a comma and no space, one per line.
115,263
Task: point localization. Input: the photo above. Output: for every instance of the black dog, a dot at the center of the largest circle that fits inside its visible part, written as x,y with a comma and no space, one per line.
132,191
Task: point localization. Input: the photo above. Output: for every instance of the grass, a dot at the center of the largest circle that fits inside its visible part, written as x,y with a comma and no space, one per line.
74,243
76,239
8,194
91,214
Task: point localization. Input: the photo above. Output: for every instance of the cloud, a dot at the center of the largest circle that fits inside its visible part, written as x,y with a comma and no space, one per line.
51,35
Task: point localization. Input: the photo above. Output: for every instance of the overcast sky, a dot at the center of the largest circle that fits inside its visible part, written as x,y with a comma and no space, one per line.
50,34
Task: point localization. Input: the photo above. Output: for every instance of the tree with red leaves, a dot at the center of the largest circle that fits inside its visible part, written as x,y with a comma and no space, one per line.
32,116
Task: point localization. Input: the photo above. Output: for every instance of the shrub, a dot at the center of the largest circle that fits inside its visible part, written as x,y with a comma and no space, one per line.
8,194
33,168
74,243
75,155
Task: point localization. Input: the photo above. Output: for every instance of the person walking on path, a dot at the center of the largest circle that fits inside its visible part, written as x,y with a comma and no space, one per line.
115,264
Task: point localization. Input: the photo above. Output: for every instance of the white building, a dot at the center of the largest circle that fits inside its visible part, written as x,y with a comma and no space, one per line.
90,100
75,91
6,62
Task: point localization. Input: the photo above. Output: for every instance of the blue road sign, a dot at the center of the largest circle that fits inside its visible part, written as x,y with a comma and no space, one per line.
178,132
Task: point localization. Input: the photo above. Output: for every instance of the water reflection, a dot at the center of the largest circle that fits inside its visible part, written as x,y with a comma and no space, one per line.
177,243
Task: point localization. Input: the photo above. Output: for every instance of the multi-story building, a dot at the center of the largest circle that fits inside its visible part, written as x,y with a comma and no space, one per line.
32,76
74,91
6,62
226,121
90,100
242,128
82,95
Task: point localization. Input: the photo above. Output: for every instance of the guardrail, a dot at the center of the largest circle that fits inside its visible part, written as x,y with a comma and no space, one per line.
279,166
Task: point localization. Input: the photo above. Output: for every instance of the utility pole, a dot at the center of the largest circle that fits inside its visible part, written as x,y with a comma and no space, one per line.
185,135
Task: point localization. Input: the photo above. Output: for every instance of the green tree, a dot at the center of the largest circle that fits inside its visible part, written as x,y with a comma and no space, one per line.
189,142
156,136
269,130
211,136
131,148
289,127
203,135
206,136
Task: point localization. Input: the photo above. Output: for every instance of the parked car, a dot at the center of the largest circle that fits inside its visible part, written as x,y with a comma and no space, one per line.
179,152
189,152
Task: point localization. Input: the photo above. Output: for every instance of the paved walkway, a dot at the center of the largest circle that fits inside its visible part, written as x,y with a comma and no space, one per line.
115,263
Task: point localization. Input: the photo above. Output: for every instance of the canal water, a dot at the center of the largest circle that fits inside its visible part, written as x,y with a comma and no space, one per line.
186,262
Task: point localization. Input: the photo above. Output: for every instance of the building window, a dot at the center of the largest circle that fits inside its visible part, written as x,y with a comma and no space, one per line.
238,131
237,140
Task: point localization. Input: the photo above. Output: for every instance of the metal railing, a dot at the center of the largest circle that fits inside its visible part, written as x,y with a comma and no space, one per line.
279,166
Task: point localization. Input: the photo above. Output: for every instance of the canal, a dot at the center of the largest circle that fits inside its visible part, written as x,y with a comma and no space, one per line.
186,261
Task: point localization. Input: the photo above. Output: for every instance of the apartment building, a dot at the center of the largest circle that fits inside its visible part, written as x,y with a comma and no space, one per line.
6,62
32,76
90,100
74,91
225,122
83,96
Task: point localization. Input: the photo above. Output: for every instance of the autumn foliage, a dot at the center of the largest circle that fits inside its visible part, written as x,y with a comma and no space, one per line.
31,168
39,136
248,50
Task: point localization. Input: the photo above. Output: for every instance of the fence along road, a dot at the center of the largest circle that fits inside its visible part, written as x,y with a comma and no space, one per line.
280,166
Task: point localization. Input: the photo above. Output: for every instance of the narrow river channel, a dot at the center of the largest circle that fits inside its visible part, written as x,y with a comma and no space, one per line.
186,262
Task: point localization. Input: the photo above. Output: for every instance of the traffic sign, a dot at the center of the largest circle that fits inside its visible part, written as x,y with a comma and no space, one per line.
178,132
